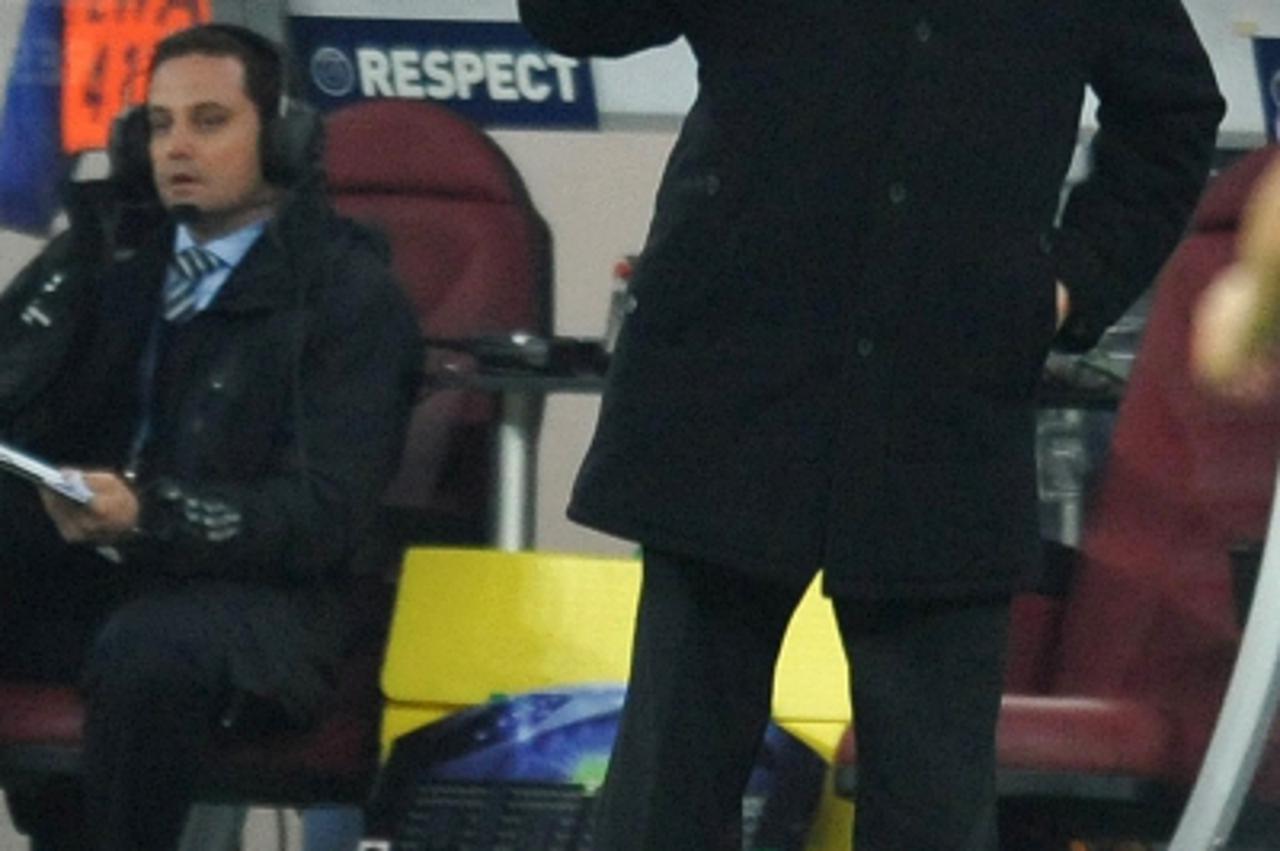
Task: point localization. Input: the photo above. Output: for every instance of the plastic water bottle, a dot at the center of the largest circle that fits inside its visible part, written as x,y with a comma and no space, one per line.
621,302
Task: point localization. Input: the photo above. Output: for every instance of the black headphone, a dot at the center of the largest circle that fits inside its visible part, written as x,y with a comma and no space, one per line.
289,145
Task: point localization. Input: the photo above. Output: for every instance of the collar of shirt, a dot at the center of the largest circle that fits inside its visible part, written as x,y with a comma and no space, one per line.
230,249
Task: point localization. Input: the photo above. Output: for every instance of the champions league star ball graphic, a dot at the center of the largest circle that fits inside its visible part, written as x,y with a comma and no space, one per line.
564,737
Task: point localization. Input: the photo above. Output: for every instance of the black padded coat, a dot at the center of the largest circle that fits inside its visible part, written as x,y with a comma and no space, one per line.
276,420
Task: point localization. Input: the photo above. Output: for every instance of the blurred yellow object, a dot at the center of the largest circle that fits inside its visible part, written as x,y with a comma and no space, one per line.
1260,256
471,624
1226,339
1237,323
1260,234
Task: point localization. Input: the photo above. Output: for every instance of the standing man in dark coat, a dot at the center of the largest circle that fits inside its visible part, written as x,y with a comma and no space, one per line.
237,410
838,321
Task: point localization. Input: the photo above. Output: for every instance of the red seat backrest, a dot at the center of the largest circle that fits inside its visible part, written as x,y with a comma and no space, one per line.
470,250
1151,614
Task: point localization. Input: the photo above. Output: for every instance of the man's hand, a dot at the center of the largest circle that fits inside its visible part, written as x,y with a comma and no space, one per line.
1235,335
1064,303
1227,353
112,514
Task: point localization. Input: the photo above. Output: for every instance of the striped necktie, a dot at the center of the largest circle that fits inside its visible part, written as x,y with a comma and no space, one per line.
187,269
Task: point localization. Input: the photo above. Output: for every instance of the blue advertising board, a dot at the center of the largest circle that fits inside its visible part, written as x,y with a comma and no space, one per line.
31,161
1266,52
493,72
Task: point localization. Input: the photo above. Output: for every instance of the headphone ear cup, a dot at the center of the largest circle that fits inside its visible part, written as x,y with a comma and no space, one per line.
291,144
128,152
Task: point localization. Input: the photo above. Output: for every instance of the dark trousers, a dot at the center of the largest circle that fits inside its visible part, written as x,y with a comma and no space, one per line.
153,692
926,679
158,663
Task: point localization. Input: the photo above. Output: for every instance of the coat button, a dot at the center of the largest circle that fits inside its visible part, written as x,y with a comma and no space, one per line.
865,347
1046,244
924,31
897,194
712,185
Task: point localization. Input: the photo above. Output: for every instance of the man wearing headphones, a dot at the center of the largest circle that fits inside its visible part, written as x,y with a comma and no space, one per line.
236,409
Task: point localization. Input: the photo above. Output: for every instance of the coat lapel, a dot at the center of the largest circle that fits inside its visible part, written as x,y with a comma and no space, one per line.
262,281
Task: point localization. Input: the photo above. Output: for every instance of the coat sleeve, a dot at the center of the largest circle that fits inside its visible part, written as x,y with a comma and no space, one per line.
357,381
1159,109
601,27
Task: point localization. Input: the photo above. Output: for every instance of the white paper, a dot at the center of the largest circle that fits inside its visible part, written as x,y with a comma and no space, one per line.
70,485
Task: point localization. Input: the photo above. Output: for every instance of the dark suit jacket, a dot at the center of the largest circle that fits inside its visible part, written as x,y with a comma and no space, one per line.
847,290
277,418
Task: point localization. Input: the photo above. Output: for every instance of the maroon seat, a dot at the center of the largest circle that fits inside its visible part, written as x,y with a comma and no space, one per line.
474,257
1112,690
477,261
41,725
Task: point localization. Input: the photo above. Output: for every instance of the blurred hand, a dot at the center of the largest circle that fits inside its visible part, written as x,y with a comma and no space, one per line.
1235,334
1064,303
112,514
1259,240
1228,354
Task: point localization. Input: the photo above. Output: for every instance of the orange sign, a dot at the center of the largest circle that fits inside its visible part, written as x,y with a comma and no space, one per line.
106,48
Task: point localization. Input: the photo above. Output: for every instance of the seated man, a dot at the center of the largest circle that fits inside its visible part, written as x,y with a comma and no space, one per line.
238,408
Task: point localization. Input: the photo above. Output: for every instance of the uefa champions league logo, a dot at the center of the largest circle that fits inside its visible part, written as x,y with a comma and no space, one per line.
332,72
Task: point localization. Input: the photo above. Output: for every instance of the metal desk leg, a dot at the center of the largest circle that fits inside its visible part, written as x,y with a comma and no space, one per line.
1245,719
515,471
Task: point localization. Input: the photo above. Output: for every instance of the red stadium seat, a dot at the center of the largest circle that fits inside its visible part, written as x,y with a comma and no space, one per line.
476,259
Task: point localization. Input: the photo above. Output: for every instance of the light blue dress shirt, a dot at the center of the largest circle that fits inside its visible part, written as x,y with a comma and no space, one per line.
230,249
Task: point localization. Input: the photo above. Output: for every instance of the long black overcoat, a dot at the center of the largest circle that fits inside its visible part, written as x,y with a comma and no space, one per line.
847,291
